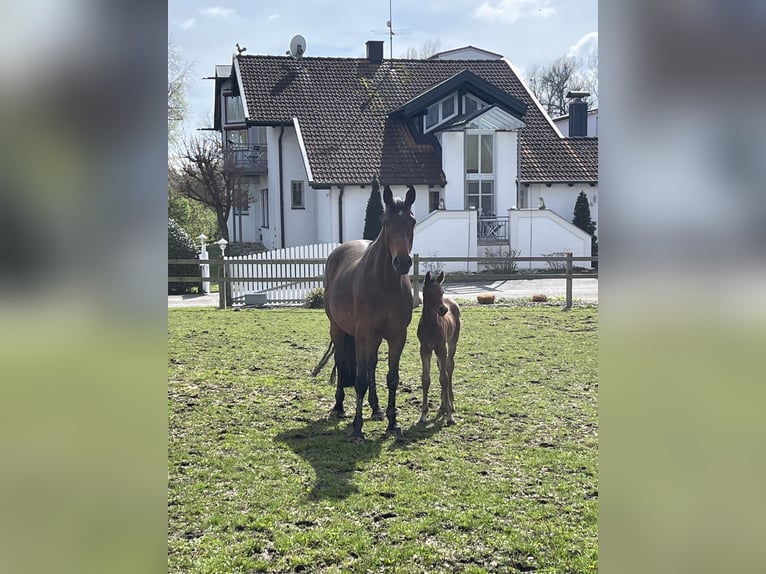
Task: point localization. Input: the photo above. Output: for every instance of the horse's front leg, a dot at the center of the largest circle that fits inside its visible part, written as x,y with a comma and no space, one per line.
361,382
425,378
377,414
395,348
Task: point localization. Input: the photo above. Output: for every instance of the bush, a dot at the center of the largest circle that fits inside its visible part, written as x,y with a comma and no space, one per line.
315,298
539,298
181,246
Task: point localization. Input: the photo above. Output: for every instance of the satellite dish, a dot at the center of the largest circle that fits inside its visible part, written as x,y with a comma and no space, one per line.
297,47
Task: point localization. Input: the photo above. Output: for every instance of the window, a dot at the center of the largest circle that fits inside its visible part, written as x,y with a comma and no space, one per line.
440,112
480,175
522,197
471,104
480,195
296,195
236,137
264,207
433,200
478,153
234,112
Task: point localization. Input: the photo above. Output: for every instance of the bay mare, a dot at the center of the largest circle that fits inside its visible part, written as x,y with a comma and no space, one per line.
368,298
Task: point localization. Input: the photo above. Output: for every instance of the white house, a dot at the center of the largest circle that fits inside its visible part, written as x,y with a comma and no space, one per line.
309,134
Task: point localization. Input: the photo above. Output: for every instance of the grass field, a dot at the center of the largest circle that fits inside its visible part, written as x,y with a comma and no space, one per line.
260,480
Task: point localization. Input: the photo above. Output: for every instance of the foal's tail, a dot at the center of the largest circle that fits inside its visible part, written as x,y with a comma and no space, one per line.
326,357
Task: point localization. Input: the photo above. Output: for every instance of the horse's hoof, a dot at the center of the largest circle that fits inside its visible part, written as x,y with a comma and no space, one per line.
450,421
357,438
337,414
396,431
423,419
378,415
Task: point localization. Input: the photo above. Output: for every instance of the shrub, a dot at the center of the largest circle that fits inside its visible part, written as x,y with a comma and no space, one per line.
539,298
315,298
181,246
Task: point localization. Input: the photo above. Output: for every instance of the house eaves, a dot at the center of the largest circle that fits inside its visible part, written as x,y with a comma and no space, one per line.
304,155
469,81
489,118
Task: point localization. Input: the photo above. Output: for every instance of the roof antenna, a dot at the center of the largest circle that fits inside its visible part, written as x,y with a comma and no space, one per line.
390,31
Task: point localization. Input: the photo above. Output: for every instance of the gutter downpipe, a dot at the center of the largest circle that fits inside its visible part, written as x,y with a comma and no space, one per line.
281,191
340,213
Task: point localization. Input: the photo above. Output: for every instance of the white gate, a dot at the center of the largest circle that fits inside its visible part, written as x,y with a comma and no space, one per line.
285,276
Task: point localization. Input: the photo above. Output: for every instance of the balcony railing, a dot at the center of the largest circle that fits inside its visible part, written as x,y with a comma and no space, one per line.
246,158
493,230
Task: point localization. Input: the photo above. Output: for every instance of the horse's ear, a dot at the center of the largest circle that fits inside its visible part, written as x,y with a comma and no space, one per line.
428,276
388,197
410,197
440,278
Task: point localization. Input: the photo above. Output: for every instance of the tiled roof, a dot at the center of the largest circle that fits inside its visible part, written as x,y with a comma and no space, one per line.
343,107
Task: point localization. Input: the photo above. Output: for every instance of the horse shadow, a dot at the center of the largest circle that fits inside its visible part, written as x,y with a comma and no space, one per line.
325,444
417,432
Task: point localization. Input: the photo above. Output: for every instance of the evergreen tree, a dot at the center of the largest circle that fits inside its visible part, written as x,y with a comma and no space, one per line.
373,217
583,221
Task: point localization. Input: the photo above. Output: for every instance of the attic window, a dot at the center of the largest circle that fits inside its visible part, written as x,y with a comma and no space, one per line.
440,112
471,104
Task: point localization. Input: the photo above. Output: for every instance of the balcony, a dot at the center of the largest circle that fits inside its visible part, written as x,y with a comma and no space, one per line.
246,159
493,230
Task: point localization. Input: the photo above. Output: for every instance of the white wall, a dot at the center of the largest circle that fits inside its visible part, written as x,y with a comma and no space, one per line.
300,224
561,199
448,233
453,165
506,165
539,232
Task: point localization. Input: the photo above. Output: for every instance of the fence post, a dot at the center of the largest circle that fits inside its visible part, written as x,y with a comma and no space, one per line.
569,280
415,281
204,264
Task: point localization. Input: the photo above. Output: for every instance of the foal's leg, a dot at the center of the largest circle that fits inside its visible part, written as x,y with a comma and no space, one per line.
425,377
446,402
450,368
395,348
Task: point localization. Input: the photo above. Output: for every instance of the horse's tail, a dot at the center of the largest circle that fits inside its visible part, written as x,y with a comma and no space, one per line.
326,357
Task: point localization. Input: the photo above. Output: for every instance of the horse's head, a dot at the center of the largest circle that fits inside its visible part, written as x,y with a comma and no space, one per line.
433,294
399,228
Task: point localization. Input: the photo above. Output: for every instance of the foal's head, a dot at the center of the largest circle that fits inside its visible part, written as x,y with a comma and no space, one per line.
399,228
433,294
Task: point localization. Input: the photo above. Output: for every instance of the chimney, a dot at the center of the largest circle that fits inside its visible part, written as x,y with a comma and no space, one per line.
578,114
375,51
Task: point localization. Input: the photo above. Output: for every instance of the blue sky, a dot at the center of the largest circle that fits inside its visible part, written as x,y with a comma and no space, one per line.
527,32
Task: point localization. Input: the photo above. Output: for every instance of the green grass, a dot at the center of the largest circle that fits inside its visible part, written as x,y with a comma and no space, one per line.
260,480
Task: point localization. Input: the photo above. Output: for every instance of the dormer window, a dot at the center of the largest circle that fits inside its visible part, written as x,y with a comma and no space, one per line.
440,112
472,103
235,114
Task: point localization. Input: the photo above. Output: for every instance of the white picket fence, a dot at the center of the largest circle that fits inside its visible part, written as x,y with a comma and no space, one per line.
284,275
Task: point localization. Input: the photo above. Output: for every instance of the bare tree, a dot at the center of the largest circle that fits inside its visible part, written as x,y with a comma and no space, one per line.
551,83
424,51
178,72
200,176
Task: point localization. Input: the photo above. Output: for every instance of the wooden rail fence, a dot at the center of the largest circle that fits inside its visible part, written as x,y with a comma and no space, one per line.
288,280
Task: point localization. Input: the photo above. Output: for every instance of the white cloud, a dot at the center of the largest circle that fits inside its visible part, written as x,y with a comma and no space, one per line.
216,12
273,16
513,10
188,23
584,47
